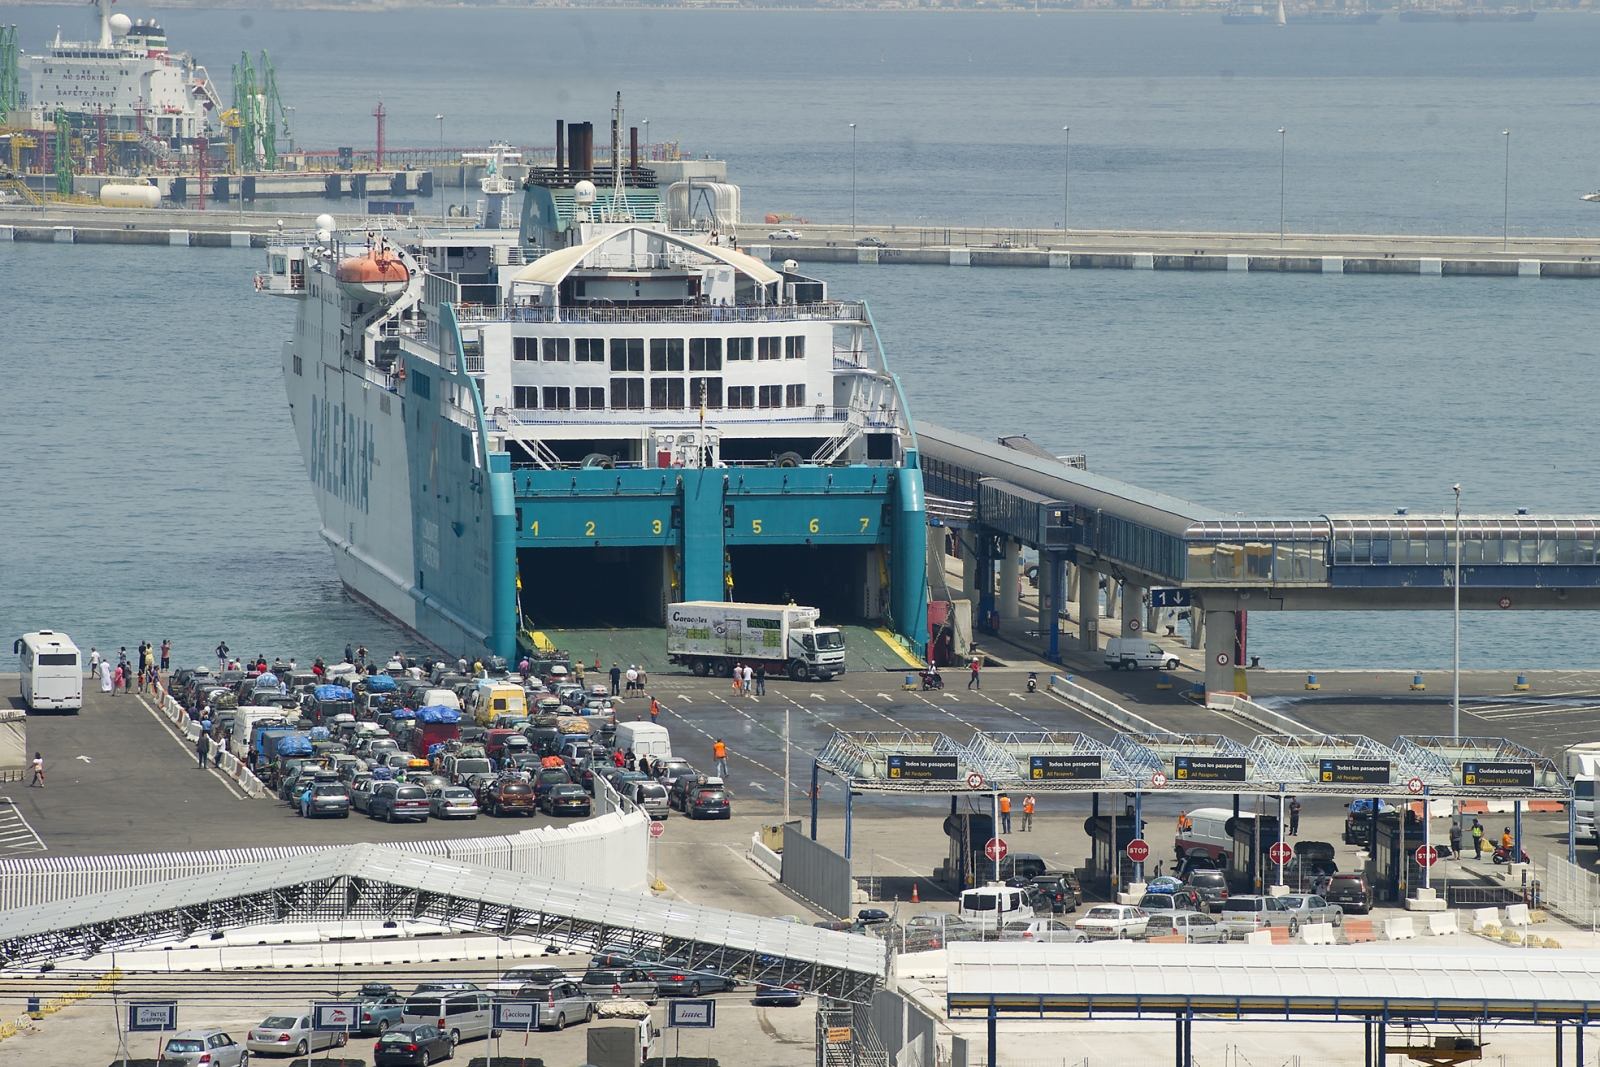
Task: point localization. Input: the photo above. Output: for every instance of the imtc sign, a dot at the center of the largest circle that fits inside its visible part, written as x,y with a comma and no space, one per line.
1516,774
922,768
1208,768
1356,771
1064,768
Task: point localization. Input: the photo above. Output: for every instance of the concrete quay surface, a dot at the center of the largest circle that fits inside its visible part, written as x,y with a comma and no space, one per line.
139,791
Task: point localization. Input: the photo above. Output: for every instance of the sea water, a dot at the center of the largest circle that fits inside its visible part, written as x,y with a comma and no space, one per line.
158,492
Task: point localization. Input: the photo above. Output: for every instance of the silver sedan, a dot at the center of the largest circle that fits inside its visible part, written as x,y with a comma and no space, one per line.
452,802
1302,909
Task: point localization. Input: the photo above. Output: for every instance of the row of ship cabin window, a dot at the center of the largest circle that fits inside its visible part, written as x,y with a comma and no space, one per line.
666,394
666,353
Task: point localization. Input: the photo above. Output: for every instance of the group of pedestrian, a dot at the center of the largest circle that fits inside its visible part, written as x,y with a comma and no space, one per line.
751,681
131,675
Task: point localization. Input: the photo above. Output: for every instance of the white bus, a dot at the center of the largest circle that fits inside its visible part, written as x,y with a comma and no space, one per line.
52,671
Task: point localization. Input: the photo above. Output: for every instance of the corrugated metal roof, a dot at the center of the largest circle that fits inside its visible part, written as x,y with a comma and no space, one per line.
1409,972
1057,481
587,904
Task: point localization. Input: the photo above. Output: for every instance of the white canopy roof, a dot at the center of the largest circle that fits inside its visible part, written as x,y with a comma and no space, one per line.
553,268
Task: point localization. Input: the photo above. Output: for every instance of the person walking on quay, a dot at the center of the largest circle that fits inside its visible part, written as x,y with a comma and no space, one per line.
349,653
166,654
1027,813
1005,813
117,681
1294,816
974,682
1455,838
616,678
655,710
749,679
222,655
1477,840
633,678
38,771
644,679
105,676
738,677
202,746
94,662
761,679
719,752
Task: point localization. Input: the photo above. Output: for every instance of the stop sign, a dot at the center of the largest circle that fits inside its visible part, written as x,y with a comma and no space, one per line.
1138,850
1427,856
1281,853
996,849
657,828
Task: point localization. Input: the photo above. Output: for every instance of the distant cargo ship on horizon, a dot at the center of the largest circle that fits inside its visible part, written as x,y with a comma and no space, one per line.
1505,14
1256,15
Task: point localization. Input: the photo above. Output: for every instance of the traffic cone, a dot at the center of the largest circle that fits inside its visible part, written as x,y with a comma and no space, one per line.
914,898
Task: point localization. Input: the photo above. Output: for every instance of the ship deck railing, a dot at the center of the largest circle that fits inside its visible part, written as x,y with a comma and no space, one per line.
826,417
828,311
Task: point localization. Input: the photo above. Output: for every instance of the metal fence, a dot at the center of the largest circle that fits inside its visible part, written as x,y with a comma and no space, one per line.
816,873
1570,891
609,850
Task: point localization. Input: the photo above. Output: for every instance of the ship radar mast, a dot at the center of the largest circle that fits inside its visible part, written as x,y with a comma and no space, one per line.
496,186
618,211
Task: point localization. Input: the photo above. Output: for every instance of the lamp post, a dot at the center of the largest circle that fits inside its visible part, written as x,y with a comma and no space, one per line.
440,118
852,181
1455,702
1505,223
646,125
1066,182
1283,156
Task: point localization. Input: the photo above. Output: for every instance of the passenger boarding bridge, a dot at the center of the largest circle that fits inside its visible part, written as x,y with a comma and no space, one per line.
1086,525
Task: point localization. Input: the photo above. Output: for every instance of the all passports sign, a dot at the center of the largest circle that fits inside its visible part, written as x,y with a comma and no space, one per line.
922,768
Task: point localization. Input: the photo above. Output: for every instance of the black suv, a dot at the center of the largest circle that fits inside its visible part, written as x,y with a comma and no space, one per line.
1212,886
1350,891
1060,891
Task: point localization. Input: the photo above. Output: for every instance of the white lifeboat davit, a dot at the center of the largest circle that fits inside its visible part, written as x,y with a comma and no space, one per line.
379,276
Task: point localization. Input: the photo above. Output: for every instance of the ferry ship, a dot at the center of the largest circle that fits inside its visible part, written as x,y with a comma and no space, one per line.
575,419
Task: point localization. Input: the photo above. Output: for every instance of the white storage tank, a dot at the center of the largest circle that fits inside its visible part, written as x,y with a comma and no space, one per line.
130,196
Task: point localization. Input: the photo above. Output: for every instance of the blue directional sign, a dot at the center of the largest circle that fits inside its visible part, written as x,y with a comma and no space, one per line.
1171,598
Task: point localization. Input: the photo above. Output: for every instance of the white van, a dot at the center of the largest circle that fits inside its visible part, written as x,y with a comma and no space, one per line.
52,671
991,907
440,698
644,738
1136,652
1208,833
464,1015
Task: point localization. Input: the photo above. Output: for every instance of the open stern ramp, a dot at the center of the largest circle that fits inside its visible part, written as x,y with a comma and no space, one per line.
376,883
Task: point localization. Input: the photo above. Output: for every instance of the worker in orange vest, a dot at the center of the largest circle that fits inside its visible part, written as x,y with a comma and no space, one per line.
1027,813
720,751
1005,813
655,709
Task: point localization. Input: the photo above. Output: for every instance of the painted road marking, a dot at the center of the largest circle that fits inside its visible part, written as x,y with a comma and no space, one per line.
16,834
188,750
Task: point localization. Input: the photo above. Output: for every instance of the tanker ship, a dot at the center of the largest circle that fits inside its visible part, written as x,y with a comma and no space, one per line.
575,416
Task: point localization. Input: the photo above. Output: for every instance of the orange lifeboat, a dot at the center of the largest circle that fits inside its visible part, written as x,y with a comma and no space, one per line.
377,277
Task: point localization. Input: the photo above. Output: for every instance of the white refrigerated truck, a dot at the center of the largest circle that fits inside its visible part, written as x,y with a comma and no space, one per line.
1582,765
710,637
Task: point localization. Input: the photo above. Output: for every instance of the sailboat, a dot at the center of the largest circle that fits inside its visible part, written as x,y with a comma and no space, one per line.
1281,20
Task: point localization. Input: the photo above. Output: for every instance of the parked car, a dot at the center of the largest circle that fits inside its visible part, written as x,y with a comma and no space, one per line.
1249,913
1180,899
559,1003
708,803
1113,921
203,1048
618,983
1211,884
675,980
465,1014
682,788
788,996
517,977
1350,891
784,235
1192,926
871,242
291,1034
392,801
361,794
565,799
1303,909
326,800
380,1007
1019,867
452,802
652,797
413,1043
1041,931
506,796
1061,891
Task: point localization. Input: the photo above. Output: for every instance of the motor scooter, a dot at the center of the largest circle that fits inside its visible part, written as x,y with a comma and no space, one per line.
932,680
1033,681
1503,855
